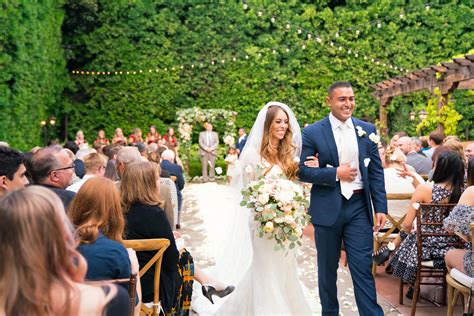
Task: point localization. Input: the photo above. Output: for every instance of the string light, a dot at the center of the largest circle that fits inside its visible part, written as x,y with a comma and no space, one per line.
318,39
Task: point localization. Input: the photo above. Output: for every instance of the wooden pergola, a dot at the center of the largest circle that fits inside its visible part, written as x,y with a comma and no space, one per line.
449,76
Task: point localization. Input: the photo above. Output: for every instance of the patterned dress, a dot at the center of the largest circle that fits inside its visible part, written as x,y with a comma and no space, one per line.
405,260
459,221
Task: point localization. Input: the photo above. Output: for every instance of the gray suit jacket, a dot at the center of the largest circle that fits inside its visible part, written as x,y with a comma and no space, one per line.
421,163
203,143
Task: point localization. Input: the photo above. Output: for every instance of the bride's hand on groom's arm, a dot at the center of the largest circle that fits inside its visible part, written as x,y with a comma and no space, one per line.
312,161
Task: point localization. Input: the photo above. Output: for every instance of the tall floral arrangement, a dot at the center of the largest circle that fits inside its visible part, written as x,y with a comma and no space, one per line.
188,118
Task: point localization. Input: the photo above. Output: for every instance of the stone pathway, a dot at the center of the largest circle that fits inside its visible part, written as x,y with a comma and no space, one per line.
194,233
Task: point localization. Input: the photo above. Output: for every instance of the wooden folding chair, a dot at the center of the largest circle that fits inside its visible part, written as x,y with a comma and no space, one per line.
132,289
381,238
160,245
455,288
424,226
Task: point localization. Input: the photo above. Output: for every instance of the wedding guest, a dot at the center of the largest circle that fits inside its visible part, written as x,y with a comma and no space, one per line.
97,215
469,151
456,146
208,142
51,167
417,146
435,140
119,138
12,170
153,136
129,155
145,219
80,140
421,164
230,159
170,139
136,136
142,150
95,164
101,139
167,163
241,140
42,273
396,137
448,183
111,152
72,146
459,221
79,167
382,148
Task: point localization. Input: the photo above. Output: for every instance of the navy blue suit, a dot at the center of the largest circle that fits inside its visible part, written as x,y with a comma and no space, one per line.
241,144
337,219
177,171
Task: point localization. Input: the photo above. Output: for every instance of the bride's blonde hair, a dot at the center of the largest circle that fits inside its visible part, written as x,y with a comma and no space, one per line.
283,154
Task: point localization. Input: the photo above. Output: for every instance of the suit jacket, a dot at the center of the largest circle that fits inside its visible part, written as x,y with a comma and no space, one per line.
174,170
421,163
214,141
241,144
326,195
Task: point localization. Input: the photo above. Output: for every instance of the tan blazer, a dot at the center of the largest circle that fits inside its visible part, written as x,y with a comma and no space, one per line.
212,143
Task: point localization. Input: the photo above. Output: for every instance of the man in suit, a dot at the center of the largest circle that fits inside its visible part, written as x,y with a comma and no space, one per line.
208,142
421,164
241,140
348,181
167,163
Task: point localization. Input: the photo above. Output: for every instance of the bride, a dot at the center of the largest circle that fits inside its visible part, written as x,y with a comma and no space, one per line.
267,280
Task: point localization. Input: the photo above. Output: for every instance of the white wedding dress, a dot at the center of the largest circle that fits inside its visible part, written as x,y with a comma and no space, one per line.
266,280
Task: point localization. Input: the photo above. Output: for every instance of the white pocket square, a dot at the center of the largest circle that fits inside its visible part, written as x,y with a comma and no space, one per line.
366,162
329,166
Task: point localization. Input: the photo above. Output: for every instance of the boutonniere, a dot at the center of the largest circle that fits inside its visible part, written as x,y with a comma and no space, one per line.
374,138
360,131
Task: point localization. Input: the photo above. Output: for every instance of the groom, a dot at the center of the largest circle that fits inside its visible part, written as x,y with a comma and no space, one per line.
348,181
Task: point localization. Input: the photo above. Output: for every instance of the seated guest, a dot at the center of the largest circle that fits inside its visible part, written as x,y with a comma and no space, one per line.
418,146
136,136
119,138
447,187
53,168
101,139
421,163
434,141
40,262
128,155
12,170
95,167
399,178
167,163
79,168
145,219
456,146
459,221
111,152
97,215
170,139
153,136
469,151
80,140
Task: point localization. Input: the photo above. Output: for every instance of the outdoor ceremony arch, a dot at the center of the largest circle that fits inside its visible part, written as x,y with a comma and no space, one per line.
195,116
448,77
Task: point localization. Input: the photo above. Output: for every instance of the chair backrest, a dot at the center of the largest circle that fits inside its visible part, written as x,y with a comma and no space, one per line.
132,289
160,245
429,223
399,196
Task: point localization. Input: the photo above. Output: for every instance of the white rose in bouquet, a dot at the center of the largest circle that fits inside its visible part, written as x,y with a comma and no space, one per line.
263,198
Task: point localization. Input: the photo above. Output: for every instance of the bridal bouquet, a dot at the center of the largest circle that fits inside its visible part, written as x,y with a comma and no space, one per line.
279,209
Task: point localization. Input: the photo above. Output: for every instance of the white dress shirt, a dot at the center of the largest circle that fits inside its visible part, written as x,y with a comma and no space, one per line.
335,123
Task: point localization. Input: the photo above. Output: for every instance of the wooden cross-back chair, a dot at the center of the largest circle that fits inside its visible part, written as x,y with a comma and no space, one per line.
159,245
438,212
132,289
455,288
384,237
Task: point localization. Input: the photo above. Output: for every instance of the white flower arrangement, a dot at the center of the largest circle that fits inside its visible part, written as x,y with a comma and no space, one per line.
360,131
279,209
229,140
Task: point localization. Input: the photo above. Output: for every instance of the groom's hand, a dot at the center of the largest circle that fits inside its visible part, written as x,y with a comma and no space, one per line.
380,220
345,173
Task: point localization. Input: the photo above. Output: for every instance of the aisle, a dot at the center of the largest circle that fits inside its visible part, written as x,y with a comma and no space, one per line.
197,224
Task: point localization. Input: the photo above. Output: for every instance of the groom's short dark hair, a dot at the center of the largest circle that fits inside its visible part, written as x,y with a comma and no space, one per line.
337,85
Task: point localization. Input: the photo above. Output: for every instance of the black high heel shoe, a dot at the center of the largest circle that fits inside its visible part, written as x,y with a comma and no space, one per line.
208,291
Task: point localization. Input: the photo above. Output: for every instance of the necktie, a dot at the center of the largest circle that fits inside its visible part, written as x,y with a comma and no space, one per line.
346,156
208,139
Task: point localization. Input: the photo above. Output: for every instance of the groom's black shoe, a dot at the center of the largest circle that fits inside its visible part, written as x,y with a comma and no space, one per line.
208,291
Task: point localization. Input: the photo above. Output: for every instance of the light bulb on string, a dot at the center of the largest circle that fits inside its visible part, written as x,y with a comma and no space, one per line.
427,7
245,6
223,61
287,50
401,16
379,25
318,39
259,55
121,72
300,31
357,32
349,51
309,35
304,46
274,51
272,19
259,13
337,34
288,26
331,43
356,55
234,59
246,56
